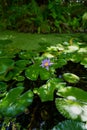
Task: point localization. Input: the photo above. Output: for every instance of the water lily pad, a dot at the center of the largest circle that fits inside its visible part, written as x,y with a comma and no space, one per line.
22,63
14,103
32,72
84,62
27,54
59,63
19,78
73,103
72,48
5,64
44,74
3,87
46,92
70,125
76,57
71,78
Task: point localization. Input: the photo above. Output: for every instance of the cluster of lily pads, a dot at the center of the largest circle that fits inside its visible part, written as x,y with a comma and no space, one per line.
24,74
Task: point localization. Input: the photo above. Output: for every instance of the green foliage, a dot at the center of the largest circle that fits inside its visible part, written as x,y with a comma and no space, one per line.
84,62
71,78
46,92
32,72
43,17
46,74
70,125
73,104
14,103
84,20
3,87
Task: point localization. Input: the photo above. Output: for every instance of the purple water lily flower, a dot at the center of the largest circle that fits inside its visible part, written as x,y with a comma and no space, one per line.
46,63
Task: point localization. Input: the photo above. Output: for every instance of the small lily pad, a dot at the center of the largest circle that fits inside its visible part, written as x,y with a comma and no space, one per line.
3,87
84,62
71,78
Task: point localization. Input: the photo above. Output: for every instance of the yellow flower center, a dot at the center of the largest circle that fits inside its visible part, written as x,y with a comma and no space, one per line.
46,64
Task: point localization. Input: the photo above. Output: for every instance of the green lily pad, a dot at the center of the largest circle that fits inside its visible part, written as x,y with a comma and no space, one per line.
46,92
17,71
32,72
72,48
44,74
84,62
70,125
73,103
19,78
24,101
5,64
22,63
19,84
3,87
71,78
59,63
27,54
14,103
76,57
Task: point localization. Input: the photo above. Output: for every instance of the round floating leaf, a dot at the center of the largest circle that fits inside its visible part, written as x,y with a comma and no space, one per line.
8,75
48,55
84,62
44,74
73,103
70,125
14,103
3,87
24,101
27,55
5,66
32,72
46,92
72,48
19,84
7,102
66,56
22,63
12,95
59,63
17,71
7,53
76,57
83,50
71,78
19,106
19,78
69,91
